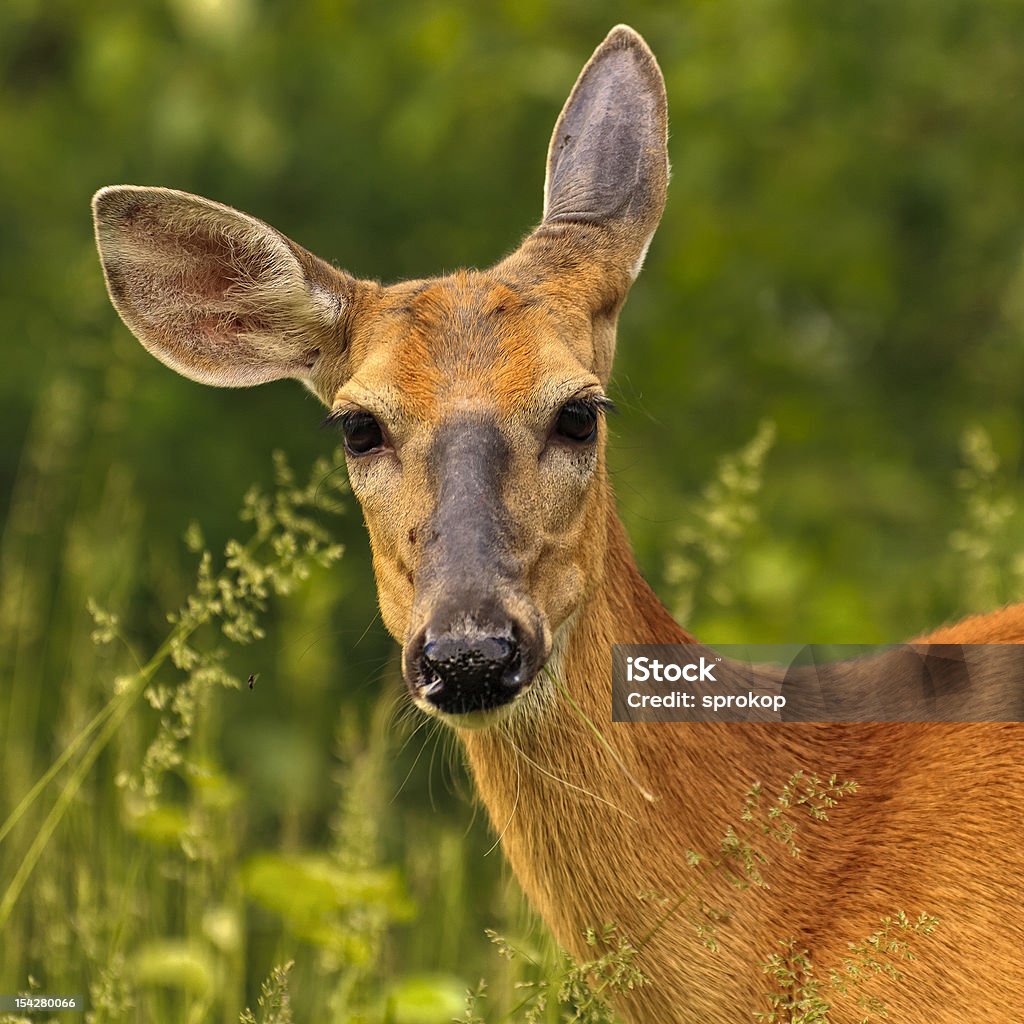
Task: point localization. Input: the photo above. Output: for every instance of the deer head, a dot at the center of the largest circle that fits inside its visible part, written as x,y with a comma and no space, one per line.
472,405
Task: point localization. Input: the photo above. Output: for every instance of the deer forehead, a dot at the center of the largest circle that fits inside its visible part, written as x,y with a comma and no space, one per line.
471,341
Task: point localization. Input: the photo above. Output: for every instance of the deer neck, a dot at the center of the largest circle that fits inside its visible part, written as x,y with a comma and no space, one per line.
561,802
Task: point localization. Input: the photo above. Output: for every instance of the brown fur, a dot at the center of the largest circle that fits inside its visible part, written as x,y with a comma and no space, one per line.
225,299
930,830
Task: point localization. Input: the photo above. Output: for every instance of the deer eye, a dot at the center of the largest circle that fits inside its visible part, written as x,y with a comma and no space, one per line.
362,433
577,421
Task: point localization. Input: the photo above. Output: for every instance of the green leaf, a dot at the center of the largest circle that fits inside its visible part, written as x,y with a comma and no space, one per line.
176,964
426,999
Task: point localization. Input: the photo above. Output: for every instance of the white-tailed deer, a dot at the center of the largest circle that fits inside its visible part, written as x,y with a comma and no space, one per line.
472,409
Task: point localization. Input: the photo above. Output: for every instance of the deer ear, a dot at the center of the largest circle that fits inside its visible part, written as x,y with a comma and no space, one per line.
608,159
215,294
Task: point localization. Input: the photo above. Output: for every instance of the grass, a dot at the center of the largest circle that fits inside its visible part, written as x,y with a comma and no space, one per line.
176,845
155,809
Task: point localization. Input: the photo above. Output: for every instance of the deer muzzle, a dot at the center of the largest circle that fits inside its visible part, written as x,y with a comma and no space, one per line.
476,640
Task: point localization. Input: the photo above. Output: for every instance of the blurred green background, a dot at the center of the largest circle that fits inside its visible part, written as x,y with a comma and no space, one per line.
842,255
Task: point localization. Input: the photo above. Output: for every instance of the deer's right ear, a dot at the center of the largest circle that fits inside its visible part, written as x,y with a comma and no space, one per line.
216,294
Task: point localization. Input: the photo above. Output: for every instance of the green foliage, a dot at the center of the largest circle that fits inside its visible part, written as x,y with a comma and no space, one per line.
991,567
274,1001
287,543
742,855
425,999
841,257
181,965
314,896
587,986
565,990
800,997
708,539
178,807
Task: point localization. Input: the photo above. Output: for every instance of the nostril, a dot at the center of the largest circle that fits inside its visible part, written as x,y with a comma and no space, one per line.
497,650
450,657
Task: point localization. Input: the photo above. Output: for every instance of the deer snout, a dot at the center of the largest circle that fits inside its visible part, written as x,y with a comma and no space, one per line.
468,667
470,673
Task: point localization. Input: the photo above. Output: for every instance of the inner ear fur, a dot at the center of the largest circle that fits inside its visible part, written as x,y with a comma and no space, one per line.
216,294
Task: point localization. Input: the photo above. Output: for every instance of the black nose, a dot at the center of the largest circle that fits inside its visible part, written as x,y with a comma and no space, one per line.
460,674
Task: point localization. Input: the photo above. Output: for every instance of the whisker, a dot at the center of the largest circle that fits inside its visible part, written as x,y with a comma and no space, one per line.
515,805
419,724
369,626
416,760
562,782
643,791
398,713
472,819
340,507
430,770
453,763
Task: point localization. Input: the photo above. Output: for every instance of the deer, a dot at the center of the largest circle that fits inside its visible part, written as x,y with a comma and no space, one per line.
474,413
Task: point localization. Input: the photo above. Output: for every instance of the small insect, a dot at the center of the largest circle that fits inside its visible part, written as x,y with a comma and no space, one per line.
253,676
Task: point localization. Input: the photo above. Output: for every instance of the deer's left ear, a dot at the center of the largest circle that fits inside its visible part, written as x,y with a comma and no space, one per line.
608,157
607,178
